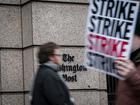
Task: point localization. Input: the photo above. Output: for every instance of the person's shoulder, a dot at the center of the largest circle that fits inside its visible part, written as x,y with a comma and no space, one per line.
44,69
47,71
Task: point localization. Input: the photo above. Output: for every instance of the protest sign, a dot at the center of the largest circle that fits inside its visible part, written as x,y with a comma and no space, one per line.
109,33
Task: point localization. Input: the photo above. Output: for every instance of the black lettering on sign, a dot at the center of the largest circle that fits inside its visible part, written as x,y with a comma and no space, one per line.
68,58
70,78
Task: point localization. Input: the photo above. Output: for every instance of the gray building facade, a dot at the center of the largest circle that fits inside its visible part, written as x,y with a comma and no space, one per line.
24,26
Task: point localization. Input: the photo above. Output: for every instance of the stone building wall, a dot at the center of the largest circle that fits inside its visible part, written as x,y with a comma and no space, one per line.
26,24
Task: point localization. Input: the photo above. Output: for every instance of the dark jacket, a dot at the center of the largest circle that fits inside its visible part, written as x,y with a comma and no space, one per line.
129,90
48,88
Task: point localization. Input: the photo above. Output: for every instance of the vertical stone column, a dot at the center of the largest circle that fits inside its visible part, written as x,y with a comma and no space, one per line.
11,60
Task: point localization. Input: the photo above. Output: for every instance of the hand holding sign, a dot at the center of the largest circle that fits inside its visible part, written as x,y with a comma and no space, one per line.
125,67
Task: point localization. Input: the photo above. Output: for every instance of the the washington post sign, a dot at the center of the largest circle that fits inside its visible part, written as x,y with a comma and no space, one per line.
109,33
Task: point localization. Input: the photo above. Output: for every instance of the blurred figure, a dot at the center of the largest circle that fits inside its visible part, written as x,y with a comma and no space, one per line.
48,87
128,92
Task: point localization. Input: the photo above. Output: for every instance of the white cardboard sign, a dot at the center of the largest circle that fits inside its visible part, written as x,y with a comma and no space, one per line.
109,33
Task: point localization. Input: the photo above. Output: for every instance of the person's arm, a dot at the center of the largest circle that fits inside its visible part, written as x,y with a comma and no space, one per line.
134,81
130,72
53,91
